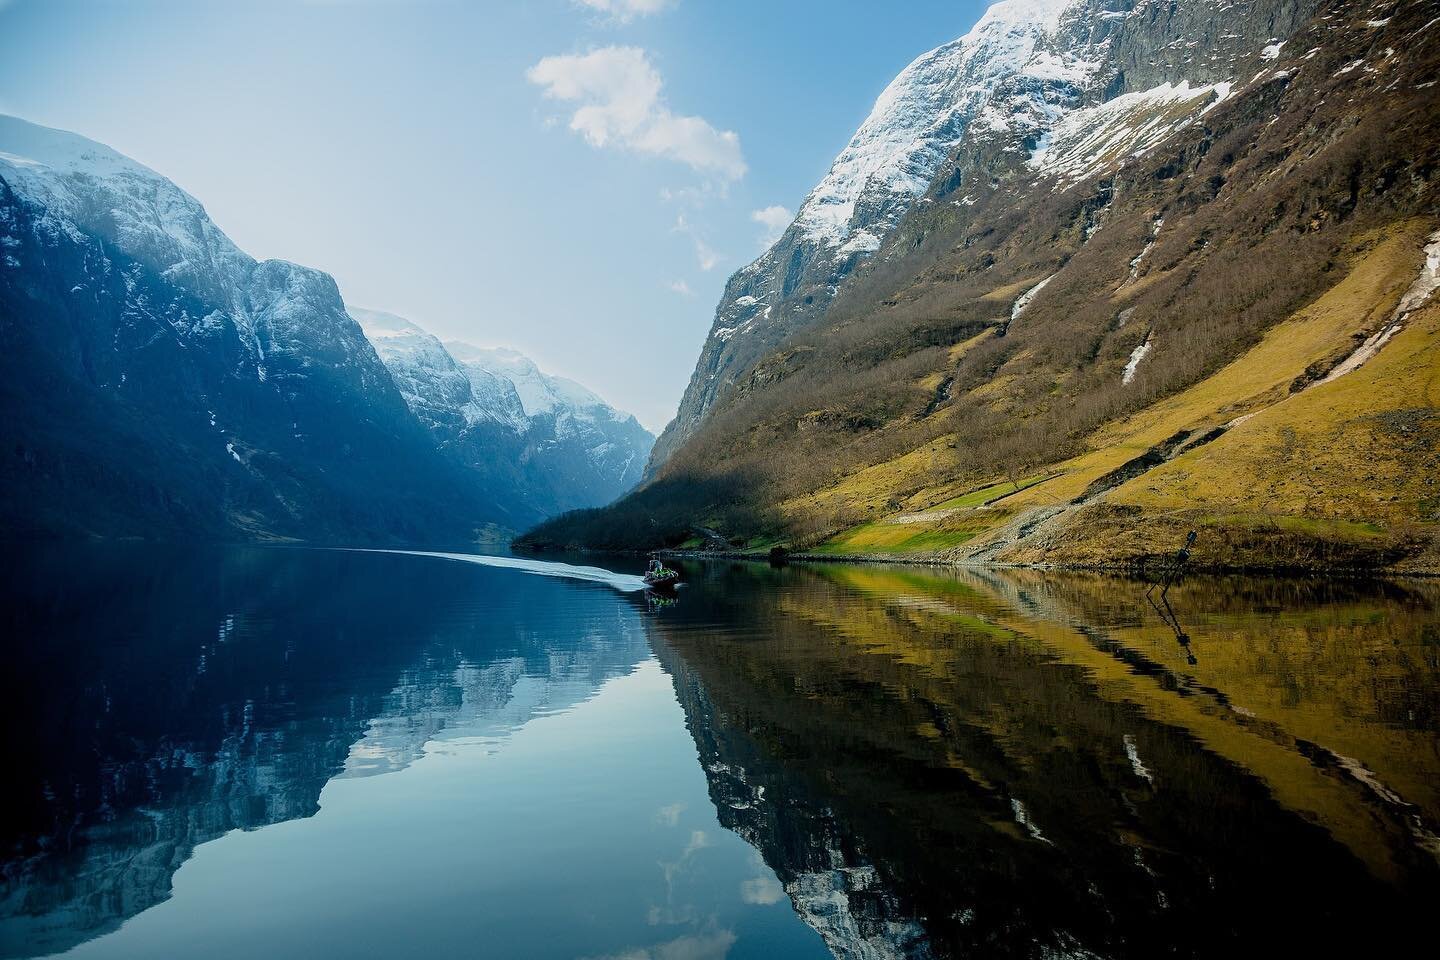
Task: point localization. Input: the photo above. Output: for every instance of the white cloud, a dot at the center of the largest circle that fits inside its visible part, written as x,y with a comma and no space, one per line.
618,101
762,890
670,816
682,288
705,255
711,945
694,196
774,219
624,10
699,840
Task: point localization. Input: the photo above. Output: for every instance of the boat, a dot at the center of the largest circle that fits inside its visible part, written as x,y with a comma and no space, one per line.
661,577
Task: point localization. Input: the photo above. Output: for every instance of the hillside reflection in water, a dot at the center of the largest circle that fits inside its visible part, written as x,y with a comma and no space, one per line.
1023,764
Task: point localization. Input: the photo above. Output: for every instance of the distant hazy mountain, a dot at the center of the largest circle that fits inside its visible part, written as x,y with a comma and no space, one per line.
496,412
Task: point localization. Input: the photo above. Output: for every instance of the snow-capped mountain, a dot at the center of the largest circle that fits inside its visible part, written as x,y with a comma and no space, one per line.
1058,79
921,116
494,408
159,381
1133,196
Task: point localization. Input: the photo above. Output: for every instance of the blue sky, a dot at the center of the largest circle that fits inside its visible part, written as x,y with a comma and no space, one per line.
573,178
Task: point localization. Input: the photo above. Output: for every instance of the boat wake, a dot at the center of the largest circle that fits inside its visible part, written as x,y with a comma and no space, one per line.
624,582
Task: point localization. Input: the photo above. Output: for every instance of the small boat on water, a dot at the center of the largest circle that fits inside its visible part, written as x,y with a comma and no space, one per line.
660,577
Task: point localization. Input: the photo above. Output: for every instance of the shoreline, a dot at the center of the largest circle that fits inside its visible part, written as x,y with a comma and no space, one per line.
1133,569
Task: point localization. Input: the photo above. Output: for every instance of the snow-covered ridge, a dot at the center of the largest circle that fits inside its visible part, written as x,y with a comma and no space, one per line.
78,188
504,385
1010,77
540,393
435,386
923,114
1088,140
84,184
411,351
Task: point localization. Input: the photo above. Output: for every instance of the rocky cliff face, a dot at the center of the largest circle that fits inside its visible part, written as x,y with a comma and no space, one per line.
942,124
157,381
553,444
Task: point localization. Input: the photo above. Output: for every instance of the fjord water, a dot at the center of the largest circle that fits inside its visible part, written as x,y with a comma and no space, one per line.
231,752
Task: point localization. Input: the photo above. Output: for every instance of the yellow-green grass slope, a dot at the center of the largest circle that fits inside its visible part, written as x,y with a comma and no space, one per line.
1344,473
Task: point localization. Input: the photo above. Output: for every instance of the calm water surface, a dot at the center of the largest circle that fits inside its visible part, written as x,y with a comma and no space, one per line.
247,752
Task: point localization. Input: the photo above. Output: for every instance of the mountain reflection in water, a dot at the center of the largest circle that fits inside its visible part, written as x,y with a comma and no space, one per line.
925,764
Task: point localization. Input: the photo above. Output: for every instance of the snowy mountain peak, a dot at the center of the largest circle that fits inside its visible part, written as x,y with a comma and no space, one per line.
240,391
1007,14
29,145
101,191
378,324
441,391
1049,90
923,114
541,393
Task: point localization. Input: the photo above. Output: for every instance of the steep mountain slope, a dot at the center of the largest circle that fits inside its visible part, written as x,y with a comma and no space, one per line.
1023,67
548,441
157,381
1075,262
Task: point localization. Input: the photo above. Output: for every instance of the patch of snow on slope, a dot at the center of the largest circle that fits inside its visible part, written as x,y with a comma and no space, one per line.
1096,138
1222,93
1419,293
1136,355
862,242
1149,245
1024,299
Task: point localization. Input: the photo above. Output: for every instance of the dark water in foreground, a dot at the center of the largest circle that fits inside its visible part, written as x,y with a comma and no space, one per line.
290,753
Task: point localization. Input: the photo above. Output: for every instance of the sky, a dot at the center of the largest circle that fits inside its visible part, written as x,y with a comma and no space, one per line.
572,178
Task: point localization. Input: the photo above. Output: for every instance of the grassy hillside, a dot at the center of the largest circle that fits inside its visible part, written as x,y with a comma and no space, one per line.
1310,474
